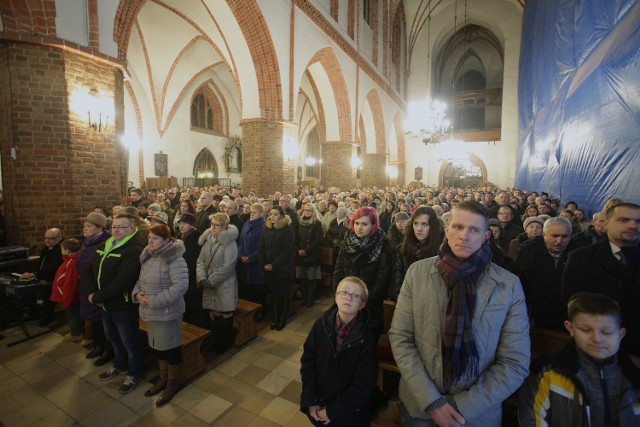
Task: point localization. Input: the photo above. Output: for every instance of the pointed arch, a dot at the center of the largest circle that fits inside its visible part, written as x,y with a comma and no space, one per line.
205,164
373,99
327,59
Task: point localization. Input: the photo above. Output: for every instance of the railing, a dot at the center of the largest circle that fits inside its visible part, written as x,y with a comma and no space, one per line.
478,98
205,182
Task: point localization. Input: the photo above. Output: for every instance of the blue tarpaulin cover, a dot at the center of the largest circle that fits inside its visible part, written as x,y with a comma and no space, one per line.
579,100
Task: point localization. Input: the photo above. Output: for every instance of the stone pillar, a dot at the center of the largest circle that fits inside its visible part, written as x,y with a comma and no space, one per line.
373,170
55,168
402,169
264,168
337,170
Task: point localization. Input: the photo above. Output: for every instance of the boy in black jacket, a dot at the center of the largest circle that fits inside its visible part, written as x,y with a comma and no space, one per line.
339,361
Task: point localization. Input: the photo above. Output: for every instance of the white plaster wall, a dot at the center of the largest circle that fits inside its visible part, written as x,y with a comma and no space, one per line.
241,57
277,15
71,21
106,14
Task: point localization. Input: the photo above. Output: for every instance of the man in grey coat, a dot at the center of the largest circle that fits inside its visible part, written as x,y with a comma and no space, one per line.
460,333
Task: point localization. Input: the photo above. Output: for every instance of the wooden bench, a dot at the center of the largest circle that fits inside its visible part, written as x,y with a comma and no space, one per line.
194,363
386,361
243,319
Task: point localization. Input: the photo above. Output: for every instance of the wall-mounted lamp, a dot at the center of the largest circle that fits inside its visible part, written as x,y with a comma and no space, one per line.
98,111
355,161
392,172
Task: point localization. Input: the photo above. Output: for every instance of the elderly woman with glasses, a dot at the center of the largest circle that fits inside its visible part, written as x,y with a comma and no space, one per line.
216,276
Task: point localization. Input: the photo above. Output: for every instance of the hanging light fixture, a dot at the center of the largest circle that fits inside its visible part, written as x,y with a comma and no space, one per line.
427,121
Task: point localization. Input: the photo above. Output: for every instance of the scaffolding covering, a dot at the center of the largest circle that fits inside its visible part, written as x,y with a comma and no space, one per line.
579,101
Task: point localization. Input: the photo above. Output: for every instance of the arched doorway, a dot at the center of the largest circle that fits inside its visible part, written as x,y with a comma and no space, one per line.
463,173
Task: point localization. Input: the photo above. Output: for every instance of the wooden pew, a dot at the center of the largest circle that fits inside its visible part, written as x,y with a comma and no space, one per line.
194,363
386,361
243,320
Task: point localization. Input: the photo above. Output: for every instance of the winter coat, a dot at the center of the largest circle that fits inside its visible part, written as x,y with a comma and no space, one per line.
277,247
595,269
65,284
500,328
555,394
336,232
342,382
88,310
310,240
377,276
251,272
216,267
164,279
114,271
543,283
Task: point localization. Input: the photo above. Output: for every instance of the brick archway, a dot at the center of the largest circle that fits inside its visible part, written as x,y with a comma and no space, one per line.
378,120
327,59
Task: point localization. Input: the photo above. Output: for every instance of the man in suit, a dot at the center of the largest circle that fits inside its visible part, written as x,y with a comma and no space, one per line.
612,268
202,218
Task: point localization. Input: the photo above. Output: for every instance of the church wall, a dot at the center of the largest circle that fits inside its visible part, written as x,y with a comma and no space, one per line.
62,168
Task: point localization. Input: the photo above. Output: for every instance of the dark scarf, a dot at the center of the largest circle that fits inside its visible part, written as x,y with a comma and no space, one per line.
368,249
461,360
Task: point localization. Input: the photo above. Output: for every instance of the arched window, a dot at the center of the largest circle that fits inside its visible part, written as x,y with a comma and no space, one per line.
205,165
201,114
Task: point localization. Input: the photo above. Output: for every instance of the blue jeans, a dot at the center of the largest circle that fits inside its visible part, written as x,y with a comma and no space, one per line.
121,330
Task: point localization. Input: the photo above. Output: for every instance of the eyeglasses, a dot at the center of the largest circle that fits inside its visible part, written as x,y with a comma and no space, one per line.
350,297
214,225
120,227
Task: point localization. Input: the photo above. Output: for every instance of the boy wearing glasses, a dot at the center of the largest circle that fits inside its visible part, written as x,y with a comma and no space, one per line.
339,361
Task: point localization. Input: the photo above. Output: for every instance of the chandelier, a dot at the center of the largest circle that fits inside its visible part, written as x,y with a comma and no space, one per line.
427,121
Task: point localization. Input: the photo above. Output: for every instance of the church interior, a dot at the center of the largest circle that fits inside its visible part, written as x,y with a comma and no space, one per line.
274,95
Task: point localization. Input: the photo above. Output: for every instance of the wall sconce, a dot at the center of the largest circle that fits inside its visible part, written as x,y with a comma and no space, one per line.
98,111
355,161
289,148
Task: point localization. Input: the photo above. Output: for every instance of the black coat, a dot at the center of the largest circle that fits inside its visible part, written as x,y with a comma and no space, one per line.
202,218
277,247
376,275
543,283
50,260
194,312
113,273
342,382
309,239
595,269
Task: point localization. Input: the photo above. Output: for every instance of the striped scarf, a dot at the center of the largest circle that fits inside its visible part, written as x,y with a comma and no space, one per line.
460,354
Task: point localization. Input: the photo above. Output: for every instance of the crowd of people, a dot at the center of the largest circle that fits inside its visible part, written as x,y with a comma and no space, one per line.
476,276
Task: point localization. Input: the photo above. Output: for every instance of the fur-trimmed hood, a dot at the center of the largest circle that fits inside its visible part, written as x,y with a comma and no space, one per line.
225,237
167,253
286,220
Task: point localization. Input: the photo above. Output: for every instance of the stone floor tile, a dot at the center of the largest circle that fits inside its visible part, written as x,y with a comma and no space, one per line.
210,408
279,411
273,383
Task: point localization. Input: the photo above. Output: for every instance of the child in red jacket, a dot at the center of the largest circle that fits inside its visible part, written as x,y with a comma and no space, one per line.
65,289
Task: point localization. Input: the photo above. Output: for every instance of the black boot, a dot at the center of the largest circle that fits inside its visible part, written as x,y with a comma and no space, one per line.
311,297
304,289
282,314
225,334
215,332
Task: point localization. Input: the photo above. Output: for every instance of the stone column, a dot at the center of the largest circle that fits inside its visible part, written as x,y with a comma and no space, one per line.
337,170
264,168
55,167
373,170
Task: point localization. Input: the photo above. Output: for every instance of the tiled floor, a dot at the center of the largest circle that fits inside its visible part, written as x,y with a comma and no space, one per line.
46,382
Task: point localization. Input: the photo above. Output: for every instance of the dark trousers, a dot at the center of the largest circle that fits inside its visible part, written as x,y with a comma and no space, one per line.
121,330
